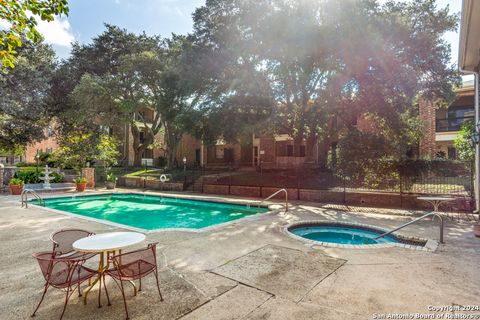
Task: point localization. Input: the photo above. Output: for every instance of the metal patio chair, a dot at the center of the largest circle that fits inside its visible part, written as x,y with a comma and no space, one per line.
64,273
132,266
63,243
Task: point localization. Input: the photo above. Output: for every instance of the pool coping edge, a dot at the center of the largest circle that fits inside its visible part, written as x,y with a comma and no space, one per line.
431,245
146,231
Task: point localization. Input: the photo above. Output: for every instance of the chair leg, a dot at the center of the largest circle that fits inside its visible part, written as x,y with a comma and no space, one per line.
140,280
67,295
106,291
41,299
78,285
158,285
124,299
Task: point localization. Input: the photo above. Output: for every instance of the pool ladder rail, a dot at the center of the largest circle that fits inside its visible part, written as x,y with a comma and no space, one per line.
273,195
433,214
24,197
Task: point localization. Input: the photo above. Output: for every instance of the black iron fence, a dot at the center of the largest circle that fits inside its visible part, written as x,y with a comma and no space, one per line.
435,177
417,177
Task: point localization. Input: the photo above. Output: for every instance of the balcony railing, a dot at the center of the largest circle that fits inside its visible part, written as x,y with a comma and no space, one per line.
451,124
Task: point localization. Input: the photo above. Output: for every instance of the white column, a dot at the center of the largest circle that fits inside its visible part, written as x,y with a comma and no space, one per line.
477,146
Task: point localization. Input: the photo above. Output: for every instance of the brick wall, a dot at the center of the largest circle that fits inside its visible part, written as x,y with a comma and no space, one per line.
427,116
42,146
89,174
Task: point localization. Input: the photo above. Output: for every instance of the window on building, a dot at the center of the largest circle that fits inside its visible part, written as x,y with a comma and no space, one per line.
290,150
452,153
302,151
458,115
219,152
49,150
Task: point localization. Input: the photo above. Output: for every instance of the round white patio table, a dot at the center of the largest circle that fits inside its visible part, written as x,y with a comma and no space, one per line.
435,201
105,243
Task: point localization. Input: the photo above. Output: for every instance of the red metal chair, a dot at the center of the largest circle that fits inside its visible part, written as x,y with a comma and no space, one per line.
132,266
63,243
62,273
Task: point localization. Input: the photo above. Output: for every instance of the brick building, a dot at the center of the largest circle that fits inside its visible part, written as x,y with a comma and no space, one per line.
47,145
441,125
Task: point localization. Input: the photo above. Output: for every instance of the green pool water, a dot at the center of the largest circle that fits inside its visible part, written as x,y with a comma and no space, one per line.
152,212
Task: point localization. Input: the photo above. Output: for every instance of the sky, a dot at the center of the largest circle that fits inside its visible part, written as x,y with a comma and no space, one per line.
87,17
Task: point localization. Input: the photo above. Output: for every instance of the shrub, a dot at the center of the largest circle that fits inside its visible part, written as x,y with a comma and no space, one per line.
80,180
111,177
28,176
16,182
25,164
57,177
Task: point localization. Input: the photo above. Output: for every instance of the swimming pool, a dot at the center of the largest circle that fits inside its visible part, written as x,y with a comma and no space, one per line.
149,212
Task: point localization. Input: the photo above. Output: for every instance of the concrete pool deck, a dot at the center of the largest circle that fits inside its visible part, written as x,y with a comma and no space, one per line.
251,270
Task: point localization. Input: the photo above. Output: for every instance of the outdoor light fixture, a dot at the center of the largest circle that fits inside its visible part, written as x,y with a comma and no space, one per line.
184,164
475,135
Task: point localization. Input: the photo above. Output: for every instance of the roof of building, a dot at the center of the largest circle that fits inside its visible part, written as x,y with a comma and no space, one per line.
469,48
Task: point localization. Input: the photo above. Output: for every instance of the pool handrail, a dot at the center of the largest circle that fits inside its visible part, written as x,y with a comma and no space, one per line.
24,197
432,213
274,194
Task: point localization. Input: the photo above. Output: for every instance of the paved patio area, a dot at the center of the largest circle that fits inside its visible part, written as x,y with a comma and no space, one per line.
251,270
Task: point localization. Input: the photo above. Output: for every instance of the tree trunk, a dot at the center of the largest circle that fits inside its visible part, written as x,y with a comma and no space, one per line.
172,139
323,153
310,147
139,148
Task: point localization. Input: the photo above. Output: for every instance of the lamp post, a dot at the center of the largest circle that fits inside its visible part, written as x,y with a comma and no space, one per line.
184,170
37,158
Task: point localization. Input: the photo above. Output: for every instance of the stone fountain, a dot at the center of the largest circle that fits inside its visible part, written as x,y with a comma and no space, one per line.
46,179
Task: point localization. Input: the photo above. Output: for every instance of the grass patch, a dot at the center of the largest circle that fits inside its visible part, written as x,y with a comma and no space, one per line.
141,173
30,168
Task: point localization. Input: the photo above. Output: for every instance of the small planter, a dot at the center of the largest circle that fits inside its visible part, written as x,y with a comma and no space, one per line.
110,185
81,186
16,189
476,230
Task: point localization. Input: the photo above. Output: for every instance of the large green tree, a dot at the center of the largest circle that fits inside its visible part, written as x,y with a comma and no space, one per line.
157,80
22,100
327,64
84,85
21,15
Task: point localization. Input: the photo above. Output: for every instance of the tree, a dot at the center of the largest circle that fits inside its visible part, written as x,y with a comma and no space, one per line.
157,80
21,15
93,87
75,150
22,102
328,64
464,142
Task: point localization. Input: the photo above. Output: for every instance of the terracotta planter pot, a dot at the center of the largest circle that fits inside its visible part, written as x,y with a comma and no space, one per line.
16,189
476,230
81,186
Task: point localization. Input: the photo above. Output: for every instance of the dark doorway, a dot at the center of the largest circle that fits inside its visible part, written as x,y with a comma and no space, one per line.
228,155
197,156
